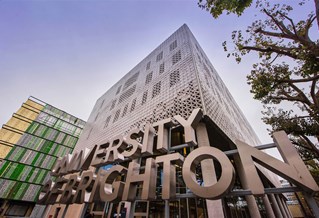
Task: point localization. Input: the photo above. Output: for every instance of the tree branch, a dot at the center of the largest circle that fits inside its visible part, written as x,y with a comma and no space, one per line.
280,25
291,21
300,80
304,98
269,50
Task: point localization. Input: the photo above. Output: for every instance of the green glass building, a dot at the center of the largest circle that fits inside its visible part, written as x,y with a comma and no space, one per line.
30,143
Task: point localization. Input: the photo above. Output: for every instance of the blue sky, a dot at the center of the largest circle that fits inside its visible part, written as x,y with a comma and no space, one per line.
68,52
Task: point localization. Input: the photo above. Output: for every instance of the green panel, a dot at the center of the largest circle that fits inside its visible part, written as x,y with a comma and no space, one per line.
30,174
21,153
47,147
40,177
57,149
32,127
8,184
14,190
19,168
11,151
40,160
21,191
10,170
4,166
52,162
35,159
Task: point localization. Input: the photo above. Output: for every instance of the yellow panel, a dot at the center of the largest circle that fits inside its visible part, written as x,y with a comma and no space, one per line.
18,124
34,104
9,136
30,114
4,150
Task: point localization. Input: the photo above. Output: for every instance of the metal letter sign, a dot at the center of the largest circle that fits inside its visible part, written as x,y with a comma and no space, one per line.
78,181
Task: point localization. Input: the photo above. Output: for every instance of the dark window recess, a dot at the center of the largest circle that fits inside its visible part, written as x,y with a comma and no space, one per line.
116,116
113,104
200,60
133,104
159,56
131,80
161,68
125,110
100,106
107,121
173,45
144,98
96,116
156,89
128,93
148,78
148,66
177,57
174,78
118,89
207,80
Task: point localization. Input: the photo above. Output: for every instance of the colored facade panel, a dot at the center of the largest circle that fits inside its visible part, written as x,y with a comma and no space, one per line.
30,143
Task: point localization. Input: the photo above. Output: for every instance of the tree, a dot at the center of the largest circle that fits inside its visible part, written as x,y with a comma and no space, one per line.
286,73
217,7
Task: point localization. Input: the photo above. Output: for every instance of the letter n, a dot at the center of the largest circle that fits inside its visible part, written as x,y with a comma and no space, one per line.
293,169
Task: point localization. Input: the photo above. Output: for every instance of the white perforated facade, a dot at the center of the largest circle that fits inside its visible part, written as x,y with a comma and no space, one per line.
175,78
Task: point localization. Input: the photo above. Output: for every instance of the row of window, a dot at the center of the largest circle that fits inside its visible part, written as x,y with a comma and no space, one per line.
175,58
48,133
173,79
18,190
159,57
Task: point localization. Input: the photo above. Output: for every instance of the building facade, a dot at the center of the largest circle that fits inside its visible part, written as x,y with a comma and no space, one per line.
174,79
169,117
30,143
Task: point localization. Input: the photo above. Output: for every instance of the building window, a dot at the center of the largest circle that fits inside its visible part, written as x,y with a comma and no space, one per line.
96,116
133,104
101,104
144,98
148,78
148,66
159,56
173,45
177,57
128,93
107,121
174,78
125,110
156,89
118,90
161,68
200,60
113,104
116,116
131,80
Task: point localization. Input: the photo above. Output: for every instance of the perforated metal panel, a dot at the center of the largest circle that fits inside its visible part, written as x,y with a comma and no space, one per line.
174,79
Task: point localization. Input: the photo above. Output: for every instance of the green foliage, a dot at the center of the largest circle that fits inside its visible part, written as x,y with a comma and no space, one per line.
217,7
287,69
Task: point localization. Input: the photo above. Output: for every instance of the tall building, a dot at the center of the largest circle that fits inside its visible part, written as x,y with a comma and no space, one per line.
30,143
175,79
